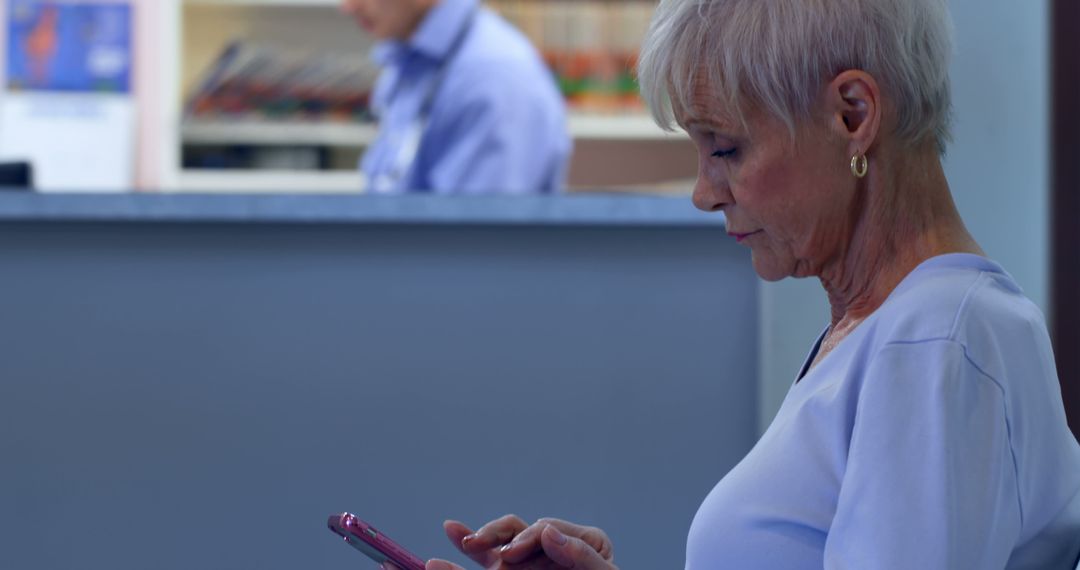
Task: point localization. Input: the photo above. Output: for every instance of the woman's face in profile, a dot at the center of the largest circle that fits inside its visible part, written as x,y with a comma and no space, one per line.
386,19
791,202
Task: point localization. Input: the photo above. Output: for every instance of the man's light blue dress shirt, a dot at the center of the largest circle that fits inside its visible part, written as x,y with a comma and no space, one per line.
932,437
497,121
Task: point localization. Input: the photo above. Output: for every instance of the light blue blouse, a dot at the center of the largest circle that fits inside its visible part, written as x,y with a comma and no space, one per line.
932,437
496,122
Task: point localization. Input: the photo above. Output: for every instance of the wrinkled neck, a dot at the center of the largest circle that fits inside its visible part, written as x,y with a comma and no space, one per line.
905,216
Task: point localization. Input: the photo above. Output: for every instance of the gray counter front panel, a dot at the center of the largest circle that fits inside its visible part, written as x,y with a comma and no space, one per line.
203,395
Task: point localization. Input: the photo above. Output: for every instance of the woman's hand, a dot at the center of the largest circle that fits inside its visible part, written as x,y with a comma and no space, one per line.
509,543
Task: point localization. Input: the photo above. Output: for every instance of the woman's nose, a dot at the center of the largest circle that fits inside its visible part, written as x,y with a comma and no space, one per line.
708,195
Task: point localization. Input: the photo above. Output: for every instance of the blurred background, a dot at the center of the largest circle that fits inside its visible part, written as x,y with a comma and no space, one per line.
210,339
250,96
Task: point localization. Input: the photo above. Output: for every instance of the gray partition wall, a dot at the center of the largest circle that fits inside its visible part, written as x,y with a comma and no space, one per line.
198,383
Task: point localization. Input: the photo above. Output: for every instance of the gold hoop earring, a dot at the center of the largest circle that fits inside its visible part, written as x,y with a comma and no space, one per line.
860,166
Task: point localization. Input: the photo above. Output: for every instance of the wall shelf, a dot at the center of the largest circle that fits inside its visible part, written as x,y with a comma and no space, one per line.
268,133
619,127
582,126
269,181
288,3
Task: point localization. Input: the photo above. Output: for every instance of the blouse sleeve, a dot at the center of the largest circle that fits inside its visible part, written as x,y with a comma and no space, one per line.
930,480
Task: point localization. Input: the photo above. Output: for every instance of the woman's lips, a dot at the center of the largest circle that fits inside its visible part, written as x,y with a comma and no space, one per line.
740,237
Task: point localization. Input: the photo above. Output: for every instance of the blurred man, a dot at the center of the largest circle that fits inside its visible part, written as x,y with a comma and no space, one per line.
465,103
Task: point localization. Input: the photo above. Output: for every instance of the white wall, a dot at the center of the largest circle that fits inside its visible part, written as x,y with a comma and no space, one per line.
998,167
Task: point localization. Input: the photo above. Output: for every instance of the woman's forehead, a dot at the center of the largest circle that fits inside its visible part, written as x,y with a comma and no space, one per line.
705,106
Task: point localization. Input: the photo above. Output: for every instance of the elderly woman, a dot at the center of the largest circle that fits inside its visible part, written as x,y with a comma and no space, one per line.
926,429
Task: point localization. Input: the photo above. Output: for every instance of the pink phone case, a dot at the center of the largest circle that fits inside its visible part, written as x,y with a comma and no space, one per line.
366,539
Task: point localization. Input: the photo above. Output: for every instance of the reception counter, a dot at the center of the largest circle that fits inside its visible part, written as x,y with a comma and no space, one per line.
610,210
197,381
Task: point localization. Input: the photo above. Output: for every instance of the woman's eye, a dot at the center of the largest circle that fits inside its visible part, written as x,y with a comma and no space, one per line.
724,153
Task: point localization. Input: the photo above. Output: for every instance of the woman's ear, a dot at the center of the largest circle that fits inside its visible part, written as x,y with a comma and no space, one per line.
854,105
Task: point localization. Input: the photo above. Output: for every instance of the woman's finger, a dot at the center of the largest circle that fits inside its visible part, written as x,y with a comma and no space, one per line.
570,552
524,546
456,532
527,543
441,565
493,535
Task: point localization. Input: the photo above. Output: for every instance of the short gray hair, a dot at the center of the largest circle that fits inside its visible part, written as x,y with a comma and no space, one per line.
778,54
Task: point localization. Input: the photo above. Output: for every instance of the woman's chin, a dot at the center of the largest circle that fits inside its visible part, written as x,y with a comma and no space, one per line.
768,269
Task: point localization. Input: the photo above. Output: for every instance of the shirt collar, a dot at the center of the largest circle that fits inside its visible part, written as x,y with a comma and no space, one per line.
433,38
386,53
441,27
955,261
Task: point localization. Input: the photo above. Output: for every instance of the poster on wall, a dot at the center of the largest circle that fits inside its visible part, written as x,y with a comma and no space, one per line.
82,48
67,106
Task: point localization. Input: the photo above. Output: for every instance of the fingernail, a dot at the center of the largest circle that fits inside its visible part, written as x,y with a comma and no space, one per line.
557,536
469,538
507,547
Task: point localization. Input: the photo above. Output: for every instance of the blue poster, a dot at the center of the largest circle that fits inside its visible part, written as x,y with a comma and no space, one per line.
54,46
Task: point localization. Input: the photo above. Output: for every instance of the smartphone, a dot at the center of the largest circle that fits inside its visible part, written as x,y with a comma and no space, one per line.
377,546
